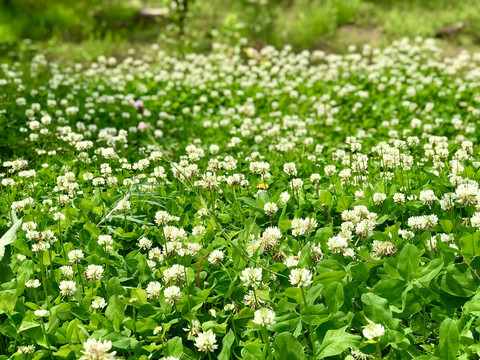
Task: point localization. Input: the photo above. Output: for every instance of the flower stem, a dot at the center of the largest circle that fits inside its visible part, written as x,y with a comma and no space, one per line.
266,339
378,351
311,336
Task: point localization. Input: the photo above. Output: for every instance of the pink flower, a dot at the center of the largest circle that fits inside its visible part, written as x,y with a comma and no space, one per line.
139,105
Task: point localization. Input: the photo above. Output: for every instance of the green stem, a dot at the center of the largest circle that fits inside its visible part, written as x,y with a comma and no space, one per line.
44,283
312,334
378,351
46,338
266,339
107,271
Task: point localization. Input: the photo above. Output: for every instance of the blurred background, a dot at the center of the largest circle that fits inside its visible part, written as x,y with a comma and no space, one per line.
84,29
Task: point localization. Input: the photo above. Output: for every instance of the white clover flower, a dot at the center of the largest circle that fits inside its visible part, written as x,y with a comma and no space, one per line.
300,277
251,277
172,294
373,331
315,178
270,237
206,341
99,303
296,184
264,317
198,230
337,244
467,194
399,198
427,196
475,220
330,170
379,198
34,283
75,256
284,197
28,349
124,206
97,350
175,273
40,313
67,271
144,243
58,216
153,289
157,330
290,169
216,257
67,288
270,208
94,272
163,218
303,226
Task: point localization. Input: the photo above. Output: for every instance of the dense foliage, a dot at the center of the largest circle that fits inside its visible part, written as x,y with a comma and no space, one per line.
243,204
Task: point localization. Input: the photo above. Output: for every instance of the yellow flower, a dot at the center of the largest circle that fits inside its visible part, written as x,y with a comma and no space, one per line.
262,186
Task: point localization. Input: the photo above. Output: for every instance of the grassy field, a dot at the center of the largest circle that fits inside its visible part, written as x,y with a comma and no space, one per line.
178,189
83,30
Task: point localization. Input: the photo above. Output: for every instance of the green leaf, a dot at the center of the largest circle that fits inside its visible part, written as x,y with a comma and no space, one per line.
336,342
334,297
470,245
115,311
408,262
287,347
342,204
226,346
285,224
140,295
251,352
86,205
175,347
449,342
377,309
80,313
430,271
7,302
93,229
459,281
9,237
325,198
447,226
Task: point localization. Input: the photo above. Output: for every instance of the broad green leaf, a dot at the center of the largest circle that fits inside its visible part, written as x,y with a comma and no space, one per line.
175,347
377,309
115,311
86,205
9,237
226,346
334,297
408,262
459,281
325,198
470,244
447,226
93,229
430,271
449,341
342,203
336,342
251,352
140,295
287,347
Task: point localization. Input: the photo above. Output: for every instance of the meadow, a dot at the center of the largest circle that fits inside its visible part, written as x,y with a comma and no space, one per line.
242,203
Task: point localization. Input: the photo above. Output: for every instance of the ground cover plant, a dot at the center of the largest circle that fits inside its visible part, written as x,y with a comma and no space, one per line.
241,204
